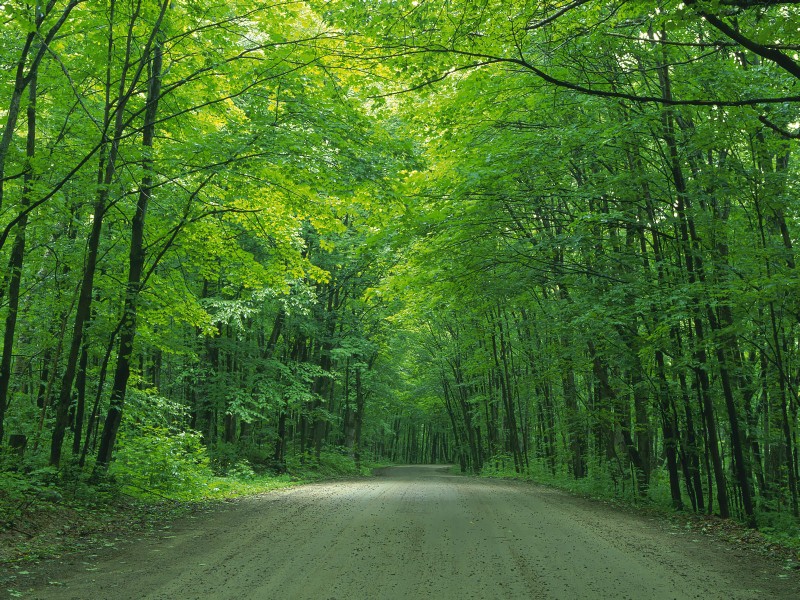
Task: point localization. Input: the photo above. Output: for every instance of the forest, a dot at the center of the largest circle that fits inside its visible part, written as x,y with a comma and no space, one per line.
547,239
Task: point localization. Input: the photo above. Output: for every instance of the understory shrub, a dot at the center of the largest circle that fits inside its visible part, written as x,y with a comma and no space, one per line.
155,461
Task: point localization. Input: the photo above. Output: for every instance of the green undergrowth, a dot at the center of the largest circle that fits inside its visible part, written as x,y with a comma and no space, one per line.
159,472
45,512
600,483
777,527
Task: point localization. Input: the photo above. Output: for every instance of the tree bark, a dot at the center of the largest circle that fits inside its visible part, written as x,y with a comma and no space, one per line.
690,262
135,267
16,260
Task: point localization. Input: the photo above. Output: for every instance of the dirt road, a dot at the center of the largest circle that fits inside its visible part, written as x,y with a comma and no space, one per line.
420,532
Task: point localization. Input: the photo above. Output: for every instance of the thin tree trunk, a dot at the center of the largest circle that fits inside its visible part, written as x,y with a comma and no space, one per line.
701,358
135,267
17,257
80,406
669,428
101,380
106,173
360,407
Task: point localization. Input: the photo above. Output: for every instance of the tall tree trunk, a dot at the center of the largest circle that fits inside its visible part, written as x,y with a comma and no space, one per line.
457,434
105,175
669,429
688,246
83,310
94,417
127,80
359,417
80,406
17,257
607,394
501,364
135,267
775,188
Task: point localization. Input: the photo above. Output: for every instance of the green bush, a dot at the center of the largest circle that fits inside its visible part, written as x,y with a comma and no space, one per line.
500,465
223,456
155,461
241,470
24,491
241,461
331,463
780,526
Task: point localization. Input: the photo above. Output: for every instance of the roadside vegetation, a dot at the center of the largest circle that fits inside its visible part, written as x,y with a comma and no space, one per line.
45,512
777,536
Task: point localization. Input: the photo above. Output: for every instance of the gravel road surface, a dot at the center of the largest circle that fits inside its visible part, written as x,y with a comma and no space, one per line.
420,532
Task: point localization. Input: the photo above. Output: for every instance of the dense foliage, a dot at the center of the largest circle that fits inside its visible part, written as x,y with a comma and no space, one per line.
606,239
551,238
187,189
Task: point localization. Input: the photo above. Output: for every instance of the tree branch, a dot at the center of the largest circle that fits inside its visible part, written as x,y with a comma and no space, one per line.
485,59
771,54
779,130
559,13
